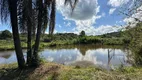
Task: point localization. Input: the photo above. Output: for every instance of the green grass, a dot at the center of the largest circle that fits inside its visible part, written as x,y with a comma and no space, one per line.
8,44
52,71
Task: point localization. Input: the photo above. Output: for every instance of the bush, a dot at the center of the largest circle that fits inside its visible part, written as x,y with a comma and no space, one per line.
82,33
5,34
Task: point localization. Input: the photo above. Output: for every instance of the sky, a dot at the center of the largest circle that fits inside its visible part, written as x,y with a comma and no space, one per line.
95,17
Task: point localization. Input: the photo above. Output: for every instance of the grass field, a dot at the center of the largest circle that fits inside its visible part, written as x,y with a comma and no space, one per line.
52,71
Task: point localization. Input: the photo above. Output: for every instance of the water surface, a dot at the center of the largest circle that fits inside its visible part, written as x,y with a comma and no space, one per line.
82,55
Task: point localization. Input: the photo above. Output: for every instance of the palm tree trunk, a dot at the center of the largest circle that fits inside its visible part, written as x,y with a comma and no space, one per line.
14,23
29,47
39,28
29,43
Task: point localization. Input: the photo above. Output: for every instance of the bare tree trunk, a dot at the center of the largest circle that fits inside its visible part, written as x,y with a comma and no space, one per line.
39,28
14,23
29,24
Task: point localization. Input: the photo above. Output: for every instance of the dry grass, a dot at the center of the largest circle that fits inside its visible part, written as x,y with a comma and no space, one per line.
52,71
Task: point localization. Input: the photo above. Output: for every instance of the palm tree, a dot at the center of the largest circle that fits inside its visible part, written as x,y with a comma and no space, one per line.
29,43
39,28
28,22
44,18
26,25
43,8
9,8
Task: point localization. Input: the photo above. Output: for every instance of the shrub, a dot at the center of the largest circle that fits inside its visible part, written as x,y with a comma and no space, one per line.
5,34
82,33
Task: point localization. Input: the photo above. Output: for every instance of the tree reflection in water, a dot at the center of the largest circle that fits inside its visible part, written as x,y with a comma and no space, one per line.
94,55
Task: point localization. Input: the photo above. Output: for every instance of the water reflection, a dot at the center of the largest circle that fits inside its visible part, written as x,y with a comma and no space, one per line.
104,56
84,55
7,57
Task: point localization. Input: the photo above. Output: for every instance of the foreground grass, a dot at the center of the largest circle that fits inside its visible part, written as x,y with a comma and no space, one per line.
52,71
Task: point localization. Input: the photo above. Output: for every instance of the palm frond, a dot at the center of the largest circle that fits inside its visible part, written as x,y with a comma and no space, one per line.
4,10
22,13
27,15
72,3
52,17
45,15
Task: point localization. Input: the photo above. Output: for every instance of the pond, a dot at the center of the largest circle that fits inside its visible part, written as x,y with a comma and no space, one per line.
79,55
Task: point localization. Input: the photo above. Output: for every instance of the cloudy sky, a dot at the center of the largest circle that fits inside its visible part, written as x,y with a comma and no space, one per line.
95,17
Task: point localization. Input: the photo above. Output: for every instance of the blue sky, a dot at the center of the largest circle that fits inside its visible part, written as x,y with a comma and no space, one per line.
95,17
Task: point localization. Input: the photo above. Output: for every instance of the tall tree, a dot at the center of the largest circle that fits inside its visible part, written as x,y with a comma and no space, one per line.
39,28
82,33
9,8
27,22
44,8
27,18
46,15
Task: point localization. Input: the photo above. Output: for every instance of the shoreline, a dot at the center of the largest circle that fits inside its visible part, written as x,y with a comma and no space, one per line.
57,46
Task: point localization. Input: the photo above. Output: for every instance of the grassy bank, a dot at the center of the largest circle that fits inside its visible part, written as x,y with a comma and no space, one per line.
8,44
52,71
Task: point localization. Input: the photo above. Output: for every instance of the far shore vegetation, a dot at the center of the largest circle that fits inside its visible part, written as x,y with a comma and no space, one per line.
59,39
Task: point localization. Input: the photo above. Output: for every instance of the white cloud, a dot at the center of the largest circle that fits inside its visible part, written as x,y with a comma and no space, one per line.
112,10
103,29
84,10
64,23
103,14
68,24
84,15
55,31
64,31
118,22
59,26
117,3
